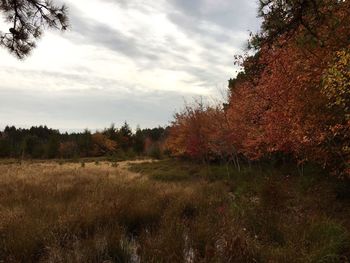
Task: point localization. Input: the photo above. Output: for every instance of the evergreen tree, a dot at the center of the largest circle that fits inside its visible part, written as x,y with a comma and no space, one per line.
28,19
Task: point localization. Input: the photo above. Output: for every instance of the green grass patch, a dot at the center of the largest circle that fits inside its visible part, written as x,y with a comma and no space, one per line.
168,170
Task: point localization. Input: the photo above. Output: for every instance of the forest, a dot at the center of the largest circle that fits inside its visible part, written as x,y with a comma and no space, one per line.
290,102
45,143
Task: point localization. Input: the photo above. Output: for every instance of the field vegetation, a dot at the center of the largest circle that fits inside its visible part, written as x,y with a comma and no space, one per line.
170,211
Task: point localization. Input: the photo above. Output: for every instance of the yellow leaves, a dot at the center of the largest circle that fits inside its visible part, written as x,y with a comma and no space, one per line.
102,144
337,82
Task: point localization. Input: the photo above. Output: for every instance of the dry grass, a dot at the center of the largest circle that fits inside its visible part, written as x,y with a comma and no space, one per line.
164,212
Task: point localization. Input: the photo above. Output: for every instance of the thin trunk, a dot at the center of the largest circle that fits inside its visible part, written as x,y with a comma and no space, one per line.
238,165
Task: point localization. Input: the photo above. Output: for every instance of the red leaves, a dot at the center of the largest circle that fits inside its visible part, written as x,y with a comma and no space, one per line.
201,132
275,106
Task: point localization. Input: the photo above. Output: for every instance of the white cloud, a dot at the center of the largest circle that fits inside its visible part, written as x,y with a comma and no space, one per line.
127,51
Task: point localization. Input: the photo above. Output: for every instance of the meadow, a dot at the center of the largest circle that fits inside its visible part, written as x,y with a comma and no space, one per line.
170,211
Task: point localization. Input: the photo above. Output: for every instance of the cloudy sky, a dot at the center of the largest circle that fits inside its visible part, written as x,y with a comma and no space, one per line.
134,60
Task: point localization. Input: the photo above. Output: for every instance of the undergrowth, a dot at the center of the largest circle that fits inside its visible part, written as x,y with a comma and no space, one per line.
176,211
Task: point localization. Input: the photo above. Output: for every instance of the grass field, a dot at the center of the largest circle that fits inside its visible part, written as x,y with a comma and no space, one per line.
170,211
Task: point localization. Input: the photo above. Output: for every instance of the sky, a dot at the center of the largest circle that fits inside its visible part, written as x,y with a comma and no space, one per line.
133,60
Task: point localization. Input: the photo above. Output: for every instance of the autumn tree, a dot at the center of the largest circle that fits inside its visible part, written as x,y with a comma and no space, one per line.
292,96
187,135
336,85
28,19
201,132
102,145
336,88
283,107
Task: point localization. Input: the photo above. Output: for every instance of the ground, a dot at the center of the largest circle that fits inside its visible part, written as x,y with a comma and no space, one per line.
170,211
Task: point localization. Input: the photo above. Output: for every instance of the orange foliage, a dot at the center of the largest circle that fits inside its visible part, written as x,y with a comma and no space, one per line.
201,132
279,105
102,145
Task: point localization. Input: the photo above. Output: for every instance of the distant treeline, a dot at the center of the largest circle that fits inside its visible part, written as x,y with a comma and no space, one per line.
43,142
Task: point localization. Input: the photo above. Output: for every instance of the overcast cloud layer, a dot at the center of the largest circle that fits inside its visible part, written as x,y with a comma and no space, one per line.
133,60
